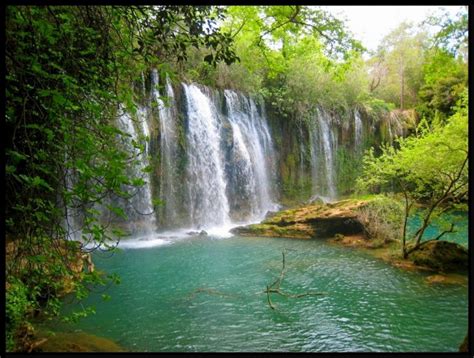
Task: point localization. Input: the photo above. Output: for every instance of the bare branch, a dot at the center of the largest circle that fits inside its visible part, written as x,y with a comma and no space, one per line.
271,289
269,300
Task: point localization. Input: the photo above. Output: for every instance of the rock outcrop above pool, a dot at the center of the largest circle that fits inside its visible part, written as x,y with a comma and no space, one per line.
341,223
308,222
441,256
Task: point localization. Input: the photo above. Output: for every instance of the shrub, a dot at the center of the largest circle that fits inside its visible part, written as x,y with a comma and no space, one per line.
17,307
382,218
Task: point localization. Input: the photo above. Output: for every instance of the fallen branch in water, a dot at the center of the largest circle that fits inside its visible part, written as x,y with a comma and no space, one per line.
275,287
269,300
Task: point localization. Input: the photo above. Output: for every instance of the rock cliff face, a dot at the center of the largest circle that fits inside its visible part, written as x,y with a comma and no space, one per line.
308,222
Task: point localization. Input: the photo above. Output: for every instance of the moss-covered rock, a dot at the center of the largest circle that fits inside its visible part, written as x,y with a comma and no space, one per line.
441,256
311,221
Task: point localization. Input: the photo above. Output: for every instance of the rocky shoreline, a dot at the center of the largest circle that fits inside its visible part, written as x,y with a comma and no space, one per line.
340,224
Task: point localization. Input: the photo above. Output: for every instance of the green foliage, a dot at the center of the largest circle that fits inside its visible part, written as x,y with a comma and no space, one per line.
77,315
431,168
69,72
377,107
295,56
17,306
452,34
348,165
445,79
396,68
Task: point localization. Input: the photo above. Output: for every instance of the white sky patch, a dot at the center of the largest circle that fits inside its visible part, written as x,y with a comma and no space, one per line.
370,24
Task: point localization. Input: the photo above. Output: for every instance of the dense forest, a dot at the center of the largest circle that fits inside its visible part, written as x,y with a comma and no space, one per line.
391,124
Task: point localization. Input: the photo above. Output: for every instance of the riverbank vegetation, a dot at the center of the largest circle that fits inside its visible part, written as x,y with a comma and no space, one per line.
72,70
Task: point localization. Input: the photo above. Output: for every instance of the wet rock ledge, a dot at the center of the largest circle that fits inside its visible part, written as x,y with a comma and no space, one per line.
309,222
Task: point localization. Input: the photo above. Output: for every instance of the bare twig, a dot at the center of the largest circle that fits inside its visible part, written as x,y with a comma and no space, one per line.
269,300
275,287
269,289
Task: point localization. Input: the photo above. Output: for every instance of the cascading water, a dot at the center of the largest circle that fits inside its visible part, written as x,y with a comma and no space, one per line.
72,217
251,157
266,168
142,116
216,162
302,151
168,150
323,145
139,207
208,205
357,131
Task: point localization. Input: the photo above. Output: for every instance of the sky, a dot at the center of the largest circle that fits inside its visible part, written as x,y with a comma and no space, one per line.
370,24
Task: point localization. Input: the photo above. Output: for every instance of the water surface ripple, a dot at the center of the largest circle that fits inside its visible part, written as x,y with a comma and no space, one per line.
203,294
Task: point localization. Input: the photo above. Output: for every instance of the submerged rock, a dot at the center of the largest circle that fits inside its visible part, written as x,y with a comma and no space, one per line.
447,279
76,342
358,240
197,233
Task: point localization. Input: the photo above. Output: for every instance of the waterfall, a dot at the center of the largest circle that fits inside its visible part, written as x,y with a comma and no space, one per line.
168,150
251,157
72,217
357,131
323,145
139,208
302,151
230,159
215,159
207,200
142,115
